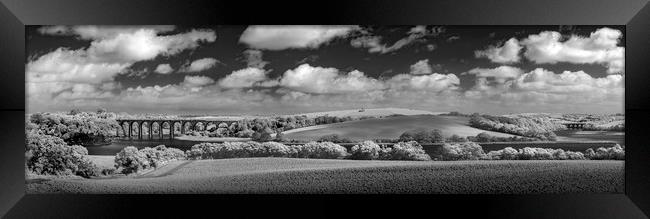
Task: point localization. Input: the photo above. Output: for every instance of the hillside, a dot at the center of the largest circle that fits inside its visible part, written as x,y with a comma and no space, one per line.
389,128
370,112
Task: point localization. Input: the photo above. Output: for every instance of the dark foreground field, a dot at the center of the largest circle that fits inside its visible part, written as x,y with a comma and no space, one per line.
291,175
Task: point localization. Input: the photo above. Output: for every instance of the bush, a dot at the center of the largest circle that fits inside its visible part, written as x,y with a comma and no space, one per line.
322,150
611,153
422,136
275,149
131,160
240,150
405,151
50,155
508,153
463,151
108,171
160,155
333,138
456,138
367,150
529,153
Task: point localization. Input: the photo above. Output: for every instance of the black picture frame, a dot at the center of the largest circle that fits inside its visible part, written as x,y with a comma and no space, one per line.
634,14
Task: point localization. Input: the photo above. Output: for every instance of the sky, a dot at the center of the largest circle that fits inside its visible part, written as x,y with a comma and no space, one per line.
269,70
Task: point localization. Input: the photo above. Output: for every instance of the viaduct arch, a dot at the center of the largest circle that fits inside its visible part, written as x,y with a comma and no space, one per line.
140,124
575,125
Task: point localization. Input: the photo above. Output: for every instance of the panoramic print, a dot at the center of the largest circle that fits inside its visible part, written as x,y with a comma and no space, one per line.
313,109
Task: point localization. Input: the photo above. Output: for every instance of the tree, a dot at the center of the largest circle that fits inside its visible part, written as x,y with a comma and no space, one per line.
279,136
457,138
263,135
422,136
74,112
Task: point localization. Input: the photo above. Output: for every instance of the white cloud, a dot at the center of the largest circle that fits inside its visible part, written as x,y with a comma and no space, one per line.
254,58
433,82
543,89
200,65
286,37
500,74
164,69
196,81
244,78
71,73
507,53
600,47
415,34
91,32
421,67
306,78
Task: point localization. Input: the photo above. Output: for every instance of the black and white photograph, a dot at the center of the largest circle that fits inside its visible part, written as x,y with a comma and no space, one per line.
324,109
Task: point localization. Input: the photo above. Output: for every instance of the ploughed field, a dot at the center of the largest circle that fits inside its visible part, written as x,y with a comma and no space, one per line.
389,128
294,175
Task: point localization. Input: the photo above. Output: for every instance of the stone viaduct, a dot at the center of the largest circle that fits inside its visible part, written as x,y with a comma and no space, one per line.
194,124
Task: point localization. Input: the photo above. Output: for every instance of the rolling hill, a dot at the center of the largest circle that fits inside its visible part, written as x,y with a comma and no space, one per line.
389,128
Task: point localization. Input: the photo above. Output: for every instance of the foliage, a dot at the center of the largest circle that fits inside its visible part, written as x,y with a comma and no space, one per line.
334,138
529,153
52,156
262,135
405,151
367,150
275,149
456,138
534,127
131,160
422,136
485,137
322,150
77,127
462,151
611,153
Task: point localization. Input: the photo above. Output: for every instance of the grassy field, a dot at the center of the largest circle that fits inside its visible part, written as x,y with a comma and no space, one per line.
292,175
210,139
389,127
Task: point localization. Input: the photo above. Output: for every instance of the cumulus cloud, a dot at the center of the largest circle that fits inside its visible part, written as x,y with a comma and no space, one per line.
196,81
507,53
306,78
245,78
254,59
415,34
90,32
500,74
421,67
200,65
72,73
600,47
433,82
296,37
164,69
542,89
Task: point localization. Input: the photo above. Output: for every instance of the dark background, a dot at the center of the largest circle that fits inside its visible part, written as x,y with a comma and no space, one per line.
17,13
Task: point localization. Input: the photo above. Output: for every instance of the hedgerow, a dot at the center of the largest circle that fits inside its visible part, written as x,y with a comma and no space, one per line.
367,150
132,160
529,153
462,151
612,153
411,150
322,150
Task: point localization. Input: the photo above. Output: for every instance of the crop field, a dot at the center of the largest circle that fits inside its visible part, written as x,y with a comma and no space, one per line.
293,175
389,128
